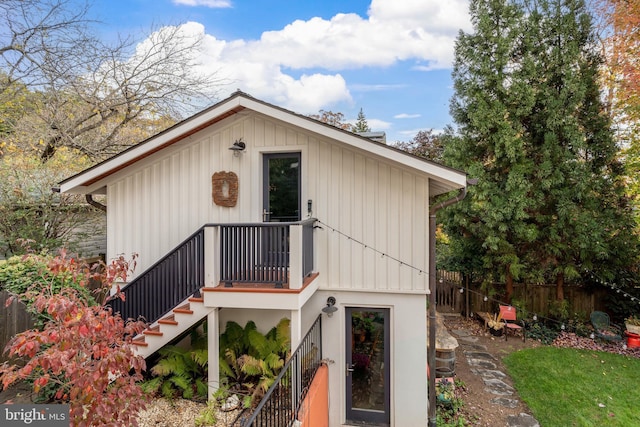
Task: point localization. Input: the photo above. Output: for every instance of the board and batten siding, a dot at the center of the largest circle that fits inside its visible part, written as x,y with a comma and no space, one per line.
160,201
381,206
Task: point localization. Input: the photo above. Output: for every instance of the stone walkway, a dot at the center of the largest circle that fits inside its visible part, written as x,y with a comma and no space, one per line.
484,365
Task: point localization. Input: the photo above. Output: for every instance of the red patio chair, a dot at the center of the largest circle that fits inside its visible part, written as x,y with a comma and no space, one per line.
509,316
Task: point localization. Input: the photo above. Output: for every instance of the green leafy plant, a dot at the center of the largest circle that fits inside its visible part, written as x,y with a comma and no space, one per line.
181,372
577,325
541,332
83,355
28,276
449,404
250,361
208,416
559,310
30,210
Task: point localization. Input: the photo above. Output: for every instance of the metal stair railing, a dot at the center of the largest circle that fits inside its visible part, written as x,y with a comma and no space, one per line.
171,280
280,405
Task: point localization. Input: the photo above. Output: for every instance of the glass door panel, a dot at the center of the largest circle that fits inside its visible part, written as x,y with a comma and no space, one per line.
281,187
367,365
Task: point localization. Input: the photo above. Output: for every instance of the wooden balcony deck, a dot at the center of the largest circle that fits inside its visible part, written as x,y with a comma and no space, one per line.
260,287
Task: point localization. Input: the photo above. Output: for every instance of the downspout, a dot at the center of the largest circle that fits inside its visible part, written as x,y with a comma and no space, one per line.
88,198
431,356
95,204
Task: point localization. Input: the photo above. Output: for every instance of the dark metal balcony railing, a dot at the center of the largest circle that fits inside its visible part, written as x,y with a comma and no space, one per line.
259,253
280,405
254,253
249,253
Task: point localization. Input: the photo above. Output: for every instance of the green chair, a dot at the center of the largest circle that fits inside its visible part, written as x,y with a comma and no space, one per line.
603,327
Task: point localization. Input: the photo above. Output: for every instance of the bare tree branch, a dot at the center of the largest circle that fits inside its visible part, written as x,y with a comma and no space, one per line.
91,92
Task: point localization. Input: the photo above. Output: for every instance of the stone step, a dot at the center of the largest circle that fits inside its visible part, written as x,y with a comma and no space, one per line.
522,420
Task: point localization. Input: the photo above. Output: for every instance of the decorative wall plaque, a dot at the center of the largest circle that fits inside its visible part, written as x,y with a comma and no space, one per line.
225,188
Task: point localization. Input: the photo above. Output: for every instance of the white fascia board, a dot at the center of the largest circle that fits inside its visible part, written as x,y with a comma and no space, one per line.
77,183
455,179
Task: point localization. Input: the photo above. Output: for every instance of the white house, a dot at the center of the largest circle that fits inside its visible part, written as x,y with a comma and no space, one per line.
265,214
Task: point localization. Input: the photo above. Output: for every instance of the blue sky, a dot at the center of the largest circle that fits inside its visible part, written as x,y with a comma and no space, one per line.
392,58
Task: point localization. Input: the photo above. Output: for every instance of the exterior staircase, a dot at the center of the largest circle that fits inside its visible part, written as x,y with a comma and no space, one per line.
171,326
168,294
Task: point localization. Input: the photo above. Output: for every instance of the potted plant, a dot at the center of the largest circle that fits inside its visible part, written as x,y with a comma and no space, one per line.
496,325
633,324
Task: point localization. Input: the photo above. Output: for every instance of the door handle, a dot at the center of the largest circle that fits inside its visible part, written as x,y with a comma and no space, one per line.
265,215
349,369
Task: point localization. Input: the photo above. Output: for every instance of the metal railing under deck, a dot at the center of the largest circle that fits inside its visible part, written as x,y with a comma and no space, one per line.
279,406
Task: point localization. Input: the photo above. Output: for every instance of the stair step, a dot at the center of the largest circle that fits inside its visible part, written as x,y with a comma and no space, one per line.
153,331
169,320
140,342
185,309
197,299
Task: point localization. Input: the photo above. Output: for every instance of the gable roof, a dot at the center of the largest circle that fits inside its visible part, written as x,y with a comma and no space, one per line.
90,181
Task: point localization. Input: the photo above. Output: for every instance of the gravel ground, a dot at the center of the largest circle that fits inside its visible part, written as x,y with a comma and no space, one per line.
179,413
159,413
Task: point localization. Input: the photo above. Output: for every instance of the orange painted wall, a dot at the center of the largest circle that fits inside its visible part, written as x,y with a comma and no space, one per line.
314,411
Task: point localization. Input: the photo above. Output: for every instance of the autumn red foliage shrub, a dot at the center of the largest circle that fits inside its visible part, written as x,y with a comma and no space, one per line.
84,353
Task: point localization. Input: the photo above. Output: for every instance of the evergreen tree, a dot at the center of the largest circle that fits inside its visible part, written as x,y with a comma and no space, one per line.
361,125
532,128
490,95
582,215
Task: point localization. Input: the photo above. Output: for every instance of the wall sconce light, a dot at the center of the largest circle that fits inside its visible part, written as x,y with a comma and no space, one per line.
330,308
238,147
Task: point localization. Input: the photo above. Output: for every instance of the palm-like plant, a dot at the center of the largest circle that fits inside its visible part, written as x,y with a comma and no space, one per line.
181,371
249,360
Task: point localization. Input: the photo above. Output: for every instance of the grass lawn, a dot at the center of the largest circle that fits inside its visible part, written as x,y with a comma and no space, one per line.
568,387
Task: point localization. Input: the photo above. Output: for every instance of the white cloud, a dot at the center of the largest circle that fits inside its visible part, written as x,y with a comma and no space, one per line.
419,31
376,124
432,16
375,87
406,116
214,4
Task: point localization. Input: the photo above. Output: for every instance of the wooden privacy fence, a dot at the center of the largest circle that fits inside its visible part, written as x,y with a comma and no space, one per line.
448,296
536,298
13,320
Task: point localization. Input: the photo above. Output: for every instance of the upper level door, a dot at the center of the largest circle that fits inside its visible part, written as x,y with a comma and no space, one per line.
281,199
